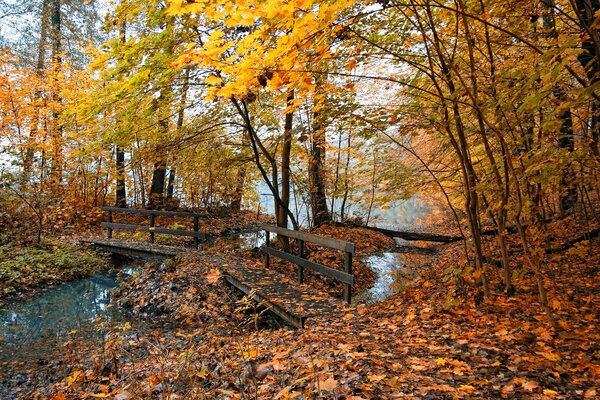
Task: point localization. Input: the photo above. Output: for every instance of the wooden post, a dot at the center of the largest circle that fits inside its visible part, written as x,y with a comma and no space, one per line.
301,254
196,238
348,270
267,243
110,222
152,223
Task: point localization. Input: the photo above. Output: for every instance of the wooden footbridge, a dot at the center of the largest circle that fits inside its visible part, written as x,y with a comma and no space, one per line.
292,300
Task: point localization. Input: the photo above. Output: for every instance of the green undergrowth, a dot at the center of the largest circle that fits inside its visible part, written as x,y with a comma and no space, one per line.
23,269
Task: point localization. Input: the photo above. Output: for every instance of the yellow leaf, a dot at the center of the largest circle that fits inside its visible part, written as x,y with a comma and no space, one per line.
71,379
467,388
375,378
213,80
550,393
251,353
276,82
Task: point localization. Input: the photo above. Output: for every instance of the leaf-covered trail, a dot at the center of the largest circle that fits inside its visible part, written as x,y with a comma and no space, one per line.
418,344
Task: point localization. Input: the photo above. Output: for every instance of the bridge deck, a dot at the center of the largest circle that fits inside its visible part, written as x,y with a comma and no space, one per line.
292,301
136,248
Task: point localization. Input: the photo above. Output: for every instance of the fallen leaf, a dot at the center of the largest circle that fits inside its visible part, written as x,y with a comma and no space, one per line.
329,384
530,386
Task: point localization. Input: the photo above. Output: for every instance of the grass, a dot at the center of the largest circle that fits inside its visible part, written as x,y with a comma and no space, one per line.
23,269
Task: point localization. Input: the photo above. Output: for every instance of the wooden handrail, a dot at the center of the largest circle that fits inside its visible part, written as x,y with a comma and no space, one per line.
151,228
348,248
154,212
146,228
309,237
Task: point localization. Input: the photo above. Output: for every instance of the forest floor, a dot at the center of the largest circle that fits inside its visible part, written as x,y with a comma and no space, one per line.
194,338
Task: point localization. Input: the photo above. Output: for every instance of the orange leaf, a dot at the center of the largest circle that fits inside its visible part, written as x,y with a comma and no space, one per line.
351,65
530,386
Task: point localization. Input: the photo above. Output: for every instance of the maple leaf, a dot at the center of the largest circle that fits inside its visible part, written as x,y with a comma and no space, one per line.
530,386
375,378
467,388
213,276
329,384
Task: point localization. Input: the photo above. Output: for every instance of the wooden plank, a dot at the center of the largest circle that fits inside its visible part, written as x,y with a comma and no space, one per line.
136,249
292,319
145,228
129,252
154,212
309,237
322,269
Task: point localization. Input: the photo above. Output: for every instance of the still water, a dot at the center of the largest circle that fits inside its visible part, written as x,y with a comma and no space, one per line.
30,328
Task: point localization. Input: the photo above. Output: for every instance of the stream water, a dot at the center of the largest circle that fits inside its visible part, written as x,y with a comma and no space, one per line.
28,328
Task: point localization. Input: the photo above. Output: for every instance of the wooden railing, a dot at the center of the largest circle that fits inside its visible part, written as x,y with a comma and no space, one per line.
345,276
151,227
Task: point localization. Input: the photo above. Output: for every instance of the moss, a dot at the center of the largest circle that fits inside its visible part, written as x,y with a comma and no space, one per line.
23,269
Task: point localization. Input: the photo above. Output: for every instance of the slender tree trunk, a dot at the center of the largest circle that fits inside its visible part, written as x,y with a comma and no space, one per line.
171,184
568,195
589,59
282,219
256,144
39,68
336,180
121,191
346,183
121,195
240,181
459,143
56,167
157,188
316,167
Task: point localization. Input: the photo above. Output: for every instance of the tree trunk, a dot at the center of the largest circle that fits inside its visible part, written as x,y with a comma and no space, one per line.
568,195
320,211
282,219
39,68
121,194
589,59
157,188
56,167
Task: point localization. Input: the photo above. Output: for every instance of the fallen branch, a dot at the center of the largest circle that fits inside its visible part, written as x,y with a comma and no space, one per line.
571,243
427,237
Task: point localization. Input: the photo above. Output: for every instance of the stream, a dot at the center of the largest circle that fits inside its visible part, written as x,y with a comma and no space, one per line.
40,331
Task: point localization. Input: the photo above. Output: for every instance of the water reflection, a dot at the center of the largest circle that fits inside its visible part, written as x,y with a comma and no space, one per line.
255,239
386,266
29,329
